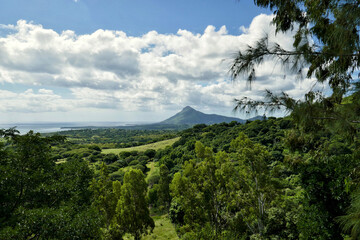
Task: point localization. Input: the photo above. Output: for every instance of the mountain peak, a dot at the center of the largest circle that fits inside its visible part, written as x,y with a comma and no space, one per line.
190,116
187,108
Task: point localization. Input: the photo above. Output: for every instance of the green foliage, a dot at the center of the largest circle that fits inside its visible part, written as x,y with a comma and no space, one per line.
112,136
142,148
164,191
38,197
123,206
260,180
153,195
325,44
351,221
163,230
132,212
176,213
150,153
235,192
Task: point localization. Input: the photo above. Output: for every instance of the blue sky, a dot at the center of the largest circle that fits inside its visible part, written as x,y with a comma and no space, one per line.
135,17
126,61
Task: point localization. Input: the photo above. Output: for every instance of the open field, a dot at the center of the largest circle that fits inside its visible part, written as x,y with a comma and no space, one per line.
164,230
153,170
155,146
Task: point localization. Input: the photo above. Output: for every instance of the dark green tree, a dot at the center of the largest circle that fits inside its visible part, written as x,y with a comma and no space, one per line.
164,182
327,43
132,213
40,199
106,196
229,196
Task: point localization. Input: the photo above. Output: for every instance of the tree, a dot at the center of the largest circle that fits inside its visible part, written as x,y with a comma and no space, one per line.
351,221
106,196
229,196
164,191
39,197
132,213
203,191
258,190
326,41
124,208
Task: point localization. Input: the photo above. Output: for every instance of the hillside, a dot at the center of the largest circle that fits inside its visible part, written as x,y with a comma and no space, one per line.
184,119
191,116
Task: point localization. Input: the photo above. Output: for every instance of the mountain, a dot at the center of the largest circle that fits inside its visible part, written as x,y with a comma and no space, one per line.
190,116
184,119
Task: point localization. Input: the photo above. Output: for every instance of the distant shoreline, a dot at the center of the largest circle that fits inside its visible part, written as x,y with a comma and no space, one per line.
49,127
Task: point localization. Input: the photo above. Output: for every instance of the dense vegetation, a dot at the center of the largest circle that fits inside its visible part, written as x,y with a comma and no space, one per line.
291,178
259,180
113,137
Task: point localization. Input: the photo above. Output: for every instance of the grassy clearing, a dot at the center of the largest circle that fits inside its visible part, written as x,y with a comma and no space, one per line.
164,230
155,146
153,169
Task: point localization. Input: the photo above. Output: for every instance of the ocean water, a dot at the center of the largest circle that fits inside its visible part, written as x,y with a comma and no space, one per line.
45,127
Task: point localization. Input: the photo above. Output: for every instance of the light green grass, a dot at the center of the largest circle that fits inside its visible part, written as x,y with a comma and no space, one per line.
164,230
155,146
153,168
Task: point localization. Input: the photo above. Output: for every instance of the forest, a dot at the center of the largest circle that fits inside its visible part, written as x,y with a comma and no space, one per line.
295,177
261,180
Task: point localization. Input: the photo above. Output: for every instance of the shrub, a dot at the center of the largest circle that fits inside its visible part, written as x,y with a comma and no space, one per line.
133,163
110,158
124,155
150,153
95,147
153,179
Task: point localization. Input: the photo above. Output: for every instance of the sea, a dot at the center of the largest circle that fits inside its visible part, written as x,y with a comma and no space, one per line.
47,127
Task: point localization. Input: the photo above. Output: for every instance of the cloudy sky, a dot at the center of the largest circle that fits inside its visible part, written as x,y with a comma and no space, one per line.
129,60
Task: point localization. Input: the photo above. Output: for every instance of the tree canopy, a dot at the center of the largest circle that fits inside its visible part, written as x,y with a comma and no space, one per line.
326,44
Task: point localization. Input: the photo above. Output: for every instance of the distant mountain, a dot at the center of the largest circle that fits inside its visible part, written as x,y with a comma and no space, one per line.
184,119
190,116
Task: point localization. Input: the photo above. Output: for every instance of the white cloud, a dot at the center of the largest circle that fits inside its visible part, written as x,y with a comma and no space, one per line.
111,70
43,100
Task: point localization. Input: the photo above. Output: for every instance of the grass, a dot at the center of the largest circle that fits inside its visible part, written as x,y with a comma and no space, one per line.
142,148
153,169
164,230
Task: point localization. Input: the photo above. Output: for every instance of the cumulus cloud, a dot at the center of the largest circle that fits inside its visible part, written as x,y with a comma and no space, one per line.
109,69
43,100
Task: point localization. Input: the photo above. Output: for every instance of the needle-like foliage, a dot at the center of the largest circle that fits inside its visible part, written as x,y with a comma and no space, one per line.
326,47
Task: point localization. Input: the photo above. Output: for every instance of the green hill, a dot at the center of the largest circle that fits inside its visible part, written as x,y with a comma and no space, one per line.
190,116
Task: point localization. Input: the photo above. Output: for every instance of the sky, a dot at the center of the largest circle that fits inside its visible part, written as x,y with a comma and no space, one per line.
130,60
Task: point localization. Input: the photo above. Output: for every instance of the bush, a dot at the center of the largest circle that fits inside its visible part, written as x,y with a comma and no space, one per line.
117,176
153,179
110,158
143,159
95,147
113,168
124,155
133,163
120,163
176,213
140,167
150,153
129,159
153,195
134,153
